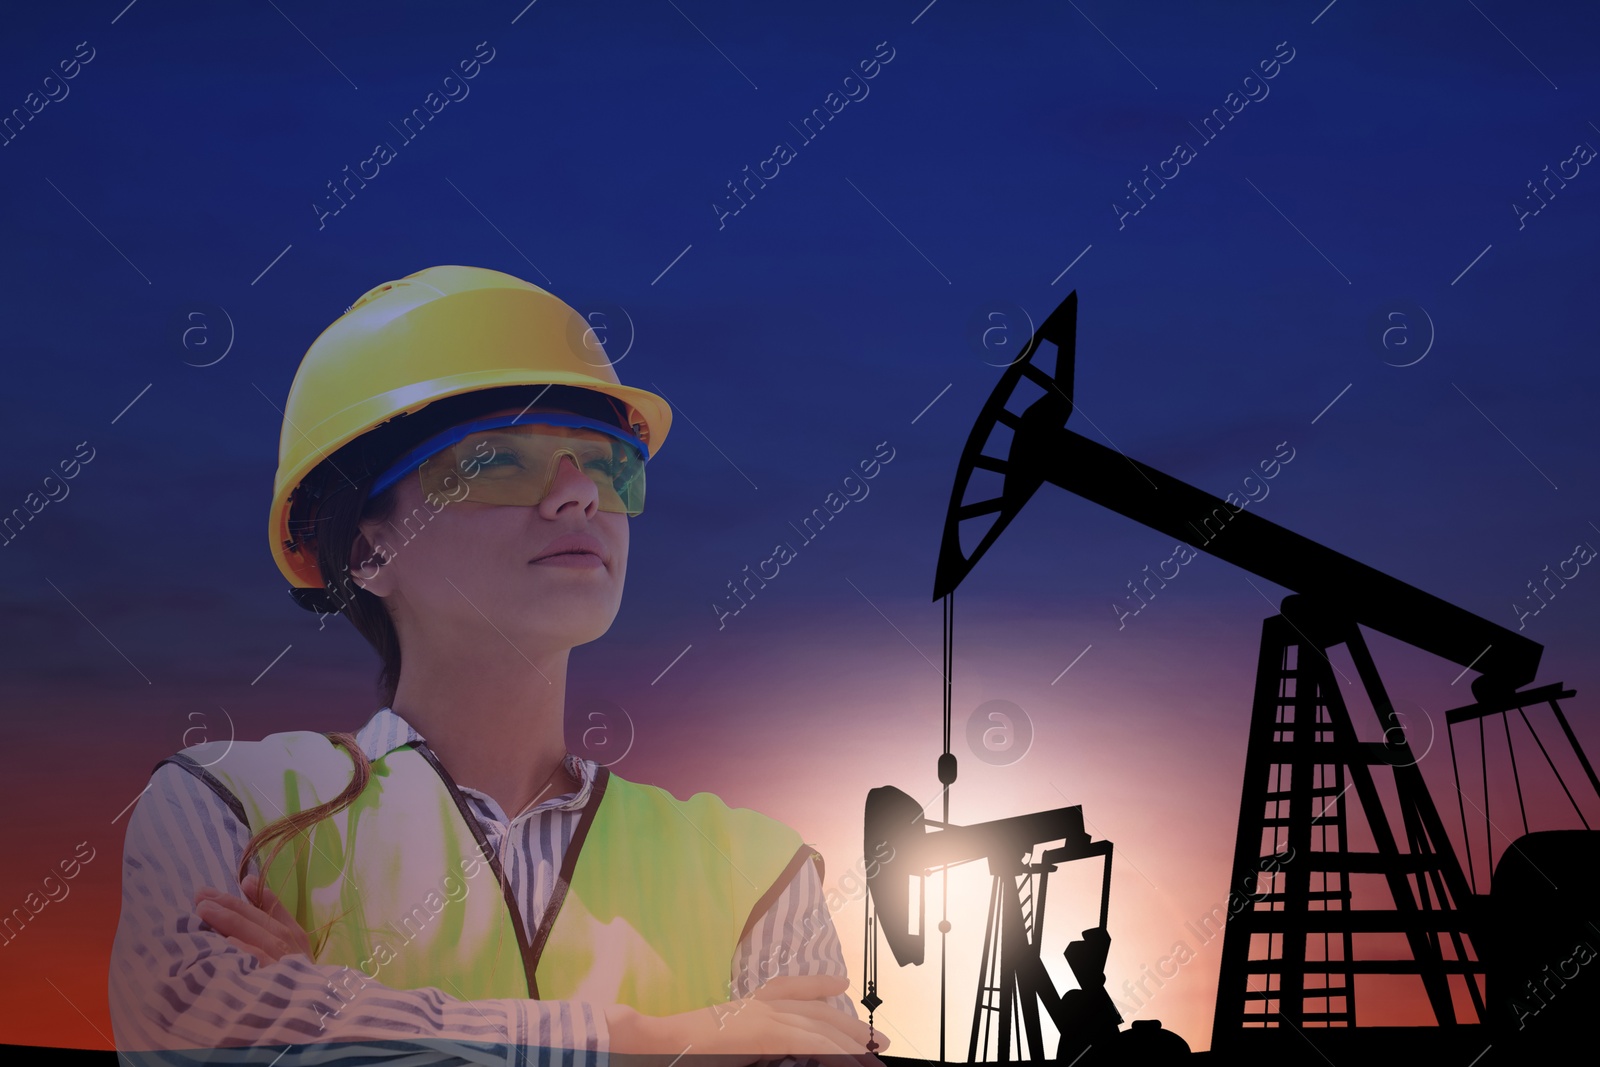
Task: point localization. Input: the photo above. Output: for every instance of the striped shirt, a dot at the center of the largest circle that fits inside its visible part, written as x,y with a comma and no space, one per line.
177,984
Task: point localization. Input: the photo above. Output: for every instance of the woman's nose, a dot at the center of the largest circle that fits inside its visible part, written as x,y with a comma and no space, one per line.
568,482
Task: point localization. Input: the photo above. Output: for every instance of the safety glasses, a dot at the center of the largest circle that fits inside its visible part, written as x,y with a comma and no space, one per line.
514,459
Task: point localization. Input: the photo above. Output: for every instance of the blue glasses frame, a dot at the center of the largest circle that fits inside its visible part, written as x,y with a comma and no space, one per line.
415,457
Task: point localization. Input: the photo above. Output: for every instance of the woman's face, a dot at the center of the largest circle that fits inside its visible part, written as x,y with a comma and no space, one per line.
478,575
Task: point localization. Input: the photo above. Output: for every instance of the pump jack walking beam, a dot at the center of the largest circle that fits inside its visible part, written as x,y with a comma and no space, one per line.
1043,449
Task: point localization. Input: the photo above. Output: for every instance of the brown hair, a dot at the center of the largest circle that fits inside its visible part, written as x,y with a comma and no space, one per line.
281,831
329,506
343,504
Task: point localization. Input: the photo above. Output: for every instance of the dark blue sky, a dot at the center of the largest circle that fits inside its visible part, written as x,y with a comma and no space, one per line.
1376,172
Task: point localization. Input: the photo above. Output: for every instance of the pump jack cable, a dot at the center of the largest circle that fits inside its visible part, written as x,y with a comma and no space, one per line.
944,873
869,960
1488,837
1466,834
949,618
1506,721
1560,780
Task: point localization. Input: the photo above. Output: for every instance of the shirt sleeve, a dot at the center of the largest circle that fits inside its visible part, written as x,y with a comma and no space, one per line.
177,987
796,935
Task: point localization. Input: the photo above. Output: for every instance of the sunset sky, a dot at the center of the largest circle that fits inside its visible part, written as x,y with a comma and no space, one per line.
171,247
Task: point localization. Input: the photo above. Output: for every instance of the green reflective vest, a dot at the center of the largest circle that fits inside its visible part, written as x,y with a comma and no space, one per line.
653,895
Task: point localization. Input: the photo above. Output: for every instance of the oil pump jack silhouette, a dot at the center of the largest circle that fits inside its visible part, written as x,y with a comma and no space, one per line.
1290,961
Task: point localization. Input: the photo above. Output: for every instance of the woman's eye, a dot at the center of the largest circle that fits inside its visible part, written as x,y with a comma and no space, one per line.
503,459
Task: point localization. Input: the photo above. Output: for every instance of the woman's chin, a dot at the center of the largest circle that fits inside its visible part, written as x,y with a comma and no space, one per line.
578,624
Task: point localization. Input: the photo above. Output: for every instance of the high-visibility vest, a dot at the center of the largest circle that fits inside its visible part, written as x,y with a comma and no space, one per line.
653,896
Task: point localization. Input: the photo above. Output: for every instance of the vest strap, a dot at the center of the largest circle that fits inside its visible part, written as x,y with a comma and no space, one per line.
198,769
564,879
490,856
779,884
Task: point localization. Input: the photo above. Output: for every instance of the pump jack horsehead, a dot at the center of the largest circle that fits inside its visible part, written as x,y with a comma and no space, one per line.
1498,964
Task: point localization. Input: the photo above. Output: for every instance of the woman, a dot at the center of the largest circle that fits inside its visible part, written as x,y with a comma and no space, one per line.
457,468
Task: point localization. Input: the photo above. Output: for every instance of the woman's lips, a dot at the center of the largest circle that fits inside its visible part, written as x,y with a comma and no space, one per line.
580,560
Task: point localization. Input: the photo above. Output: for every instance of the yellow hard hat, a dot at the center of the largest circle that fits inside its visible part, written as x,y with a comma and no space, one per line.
439,332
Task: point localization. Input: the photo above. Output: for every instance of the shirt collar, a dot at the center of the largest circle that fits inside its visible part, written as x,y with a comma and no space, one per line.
387,731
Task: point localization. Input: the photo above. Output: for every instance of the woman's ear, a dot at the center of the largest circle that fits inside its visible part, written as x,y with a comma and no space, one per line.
368,556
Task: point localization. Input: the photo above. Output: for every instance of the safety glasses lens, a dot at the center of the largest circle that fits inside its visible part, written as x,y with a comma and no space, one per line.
517,465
